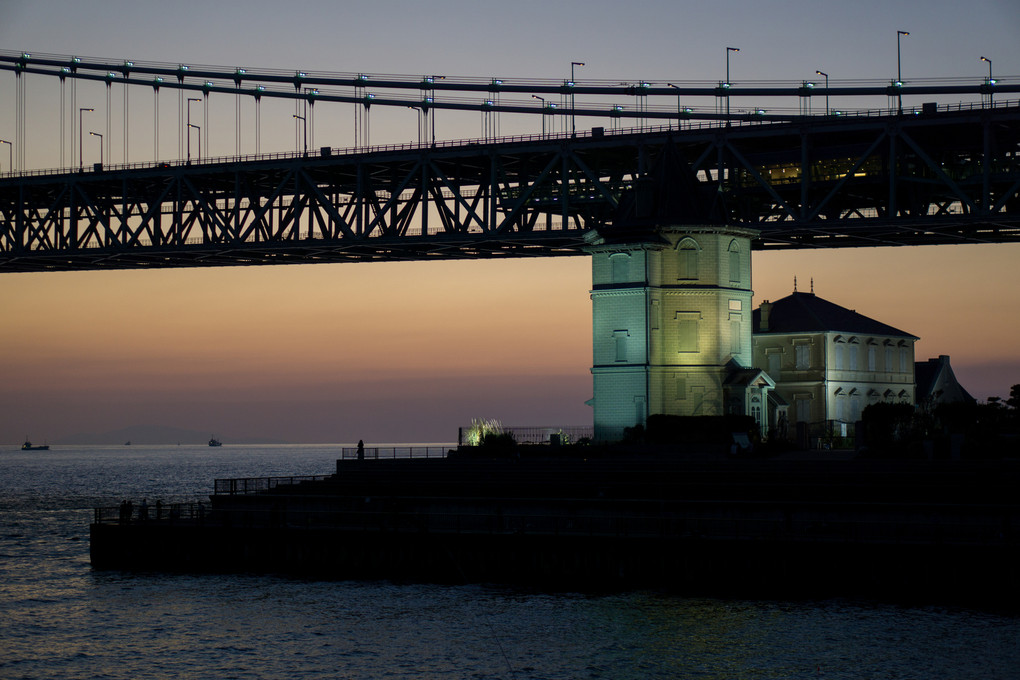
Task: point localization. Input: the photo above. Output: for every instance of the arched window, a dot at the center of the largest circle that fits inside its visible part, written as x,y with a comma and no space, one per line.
734,251
620,263
687,260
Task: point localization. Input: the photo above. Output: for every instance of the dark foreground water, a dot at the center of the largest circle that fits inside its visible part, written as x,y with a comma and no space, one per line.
59,619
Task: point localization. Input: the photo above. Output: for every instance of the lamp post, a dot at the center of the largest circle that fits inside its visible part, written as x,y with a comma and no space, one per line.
826,76
305,128
81,163
96,134
10,155
991,81
417,110
199,142
675,87
989,69
573,127
535,96
193,99
899,73
727,84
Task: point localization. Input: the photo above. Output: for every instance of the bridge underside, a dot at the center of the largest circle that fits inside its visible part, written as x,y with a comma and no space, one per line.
947,177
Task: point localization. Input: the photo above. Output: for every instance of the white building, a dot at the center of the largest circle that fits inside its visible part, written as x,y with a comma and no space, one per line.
829,362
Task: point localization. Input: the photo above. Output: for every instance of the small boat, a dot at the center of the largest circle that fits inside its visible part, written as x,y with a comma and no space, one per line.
27,446
213,441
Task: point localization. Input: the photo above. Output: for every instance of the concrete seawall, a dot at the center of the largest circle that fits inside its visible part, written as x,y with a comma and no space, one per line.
737,527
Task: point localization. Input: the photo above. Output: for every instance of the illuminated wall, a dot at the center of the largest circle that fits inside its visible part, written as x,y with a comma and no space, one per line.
670,314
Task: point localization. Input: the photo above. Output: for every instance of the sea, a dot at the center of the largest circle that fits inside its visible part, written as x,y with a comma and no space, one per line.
61,619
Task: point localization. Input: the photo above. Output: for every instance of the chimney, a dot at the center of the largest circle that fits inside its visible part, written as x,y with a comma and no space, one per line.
766,309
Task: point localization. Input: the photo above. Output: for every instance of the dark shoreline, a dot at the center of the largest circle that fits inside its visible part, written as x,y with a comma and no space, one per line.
932,531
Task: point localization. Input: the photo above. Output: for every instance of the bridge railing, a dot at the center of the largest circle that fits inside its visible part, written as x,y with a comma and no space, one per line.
739,119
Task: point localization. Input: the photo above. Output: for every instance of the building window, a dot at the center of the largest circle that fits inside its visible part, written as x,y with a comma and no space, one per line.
904,359
620,264
681,389
687,331
734,251
837,356
803,410
802,356
889,359
775,362
735,334
852,351
871,357
620,340
687,262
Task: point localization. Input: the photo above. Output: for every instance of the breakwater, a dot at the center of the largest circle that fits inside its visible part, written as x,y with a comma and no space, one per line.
949,528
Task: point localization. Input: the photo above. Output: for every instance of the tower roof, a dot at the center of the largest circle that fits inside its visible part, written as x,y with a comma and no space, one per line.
808,313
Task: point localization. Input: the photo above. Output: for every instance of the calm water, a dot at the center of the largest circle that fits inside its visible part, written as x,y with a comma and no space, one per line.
59,619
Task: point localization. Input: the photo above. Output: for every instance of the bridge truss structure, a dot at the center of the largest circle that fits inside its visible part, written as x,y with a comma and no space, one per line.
941,175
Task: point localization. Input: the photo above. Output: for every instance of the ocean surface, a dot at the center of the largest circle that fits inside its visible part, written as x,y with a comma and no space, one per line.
60,619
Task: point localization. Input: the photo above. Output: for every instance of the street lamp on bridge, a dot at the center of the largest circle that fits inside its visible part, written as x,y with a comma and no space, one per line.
96,134
304,127
199,141
826,76
10,154
541,99
81,162
573,127
899,73
727,83
190,100
991,80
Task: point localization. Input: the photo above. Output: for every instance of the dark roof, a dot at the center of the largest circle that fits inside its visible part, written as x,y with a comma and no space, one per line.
808,313
926,376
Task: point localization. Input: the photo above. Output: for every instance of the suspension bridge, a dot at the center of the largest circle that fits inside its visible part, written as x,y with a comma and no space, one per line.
801,174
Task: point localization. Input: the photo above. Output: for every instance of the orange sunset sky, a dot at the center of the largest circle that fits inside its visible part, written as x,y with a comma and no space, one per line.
403,352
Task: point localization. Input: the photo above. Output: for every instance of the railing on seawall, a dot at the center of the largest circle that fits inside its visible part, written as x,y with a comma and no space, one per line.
158,512
247,485
531,434
390,452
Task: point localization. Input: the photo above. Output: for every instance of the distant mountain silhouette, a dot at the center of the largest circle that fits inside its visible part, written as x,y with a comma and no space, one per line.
156,434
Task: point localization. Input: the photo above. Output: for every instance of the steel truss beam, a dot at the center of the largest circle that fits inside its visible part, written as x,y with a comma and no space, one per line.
942,178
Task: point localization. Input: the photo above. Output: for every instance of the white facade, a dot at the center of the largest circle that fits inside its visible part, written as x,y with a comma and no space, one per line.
828,375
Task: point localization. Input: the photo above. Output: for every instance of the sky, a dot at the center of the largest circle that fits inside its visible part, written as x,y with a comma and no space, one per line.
409,352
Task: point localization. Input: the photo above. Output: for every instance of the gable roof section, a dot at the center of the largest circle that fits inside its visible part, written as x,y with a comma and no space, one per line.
808,313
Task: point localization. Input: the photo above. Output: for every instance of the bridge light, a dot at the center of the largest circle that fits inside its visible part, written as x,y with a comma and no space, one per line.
809,84
260,88
569,83
75,60
241,71
129,63
427,100
992,81
688,109
65,69
497,81
361,78
182,67
898,83
26,55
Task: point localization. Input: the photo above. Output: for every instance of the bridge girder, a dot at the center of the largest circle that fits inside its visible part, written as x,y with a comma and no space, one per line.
932,179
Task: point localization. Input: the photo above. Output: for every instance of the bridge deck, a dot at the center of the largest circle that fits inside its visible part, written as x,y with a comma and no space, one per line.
944,176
